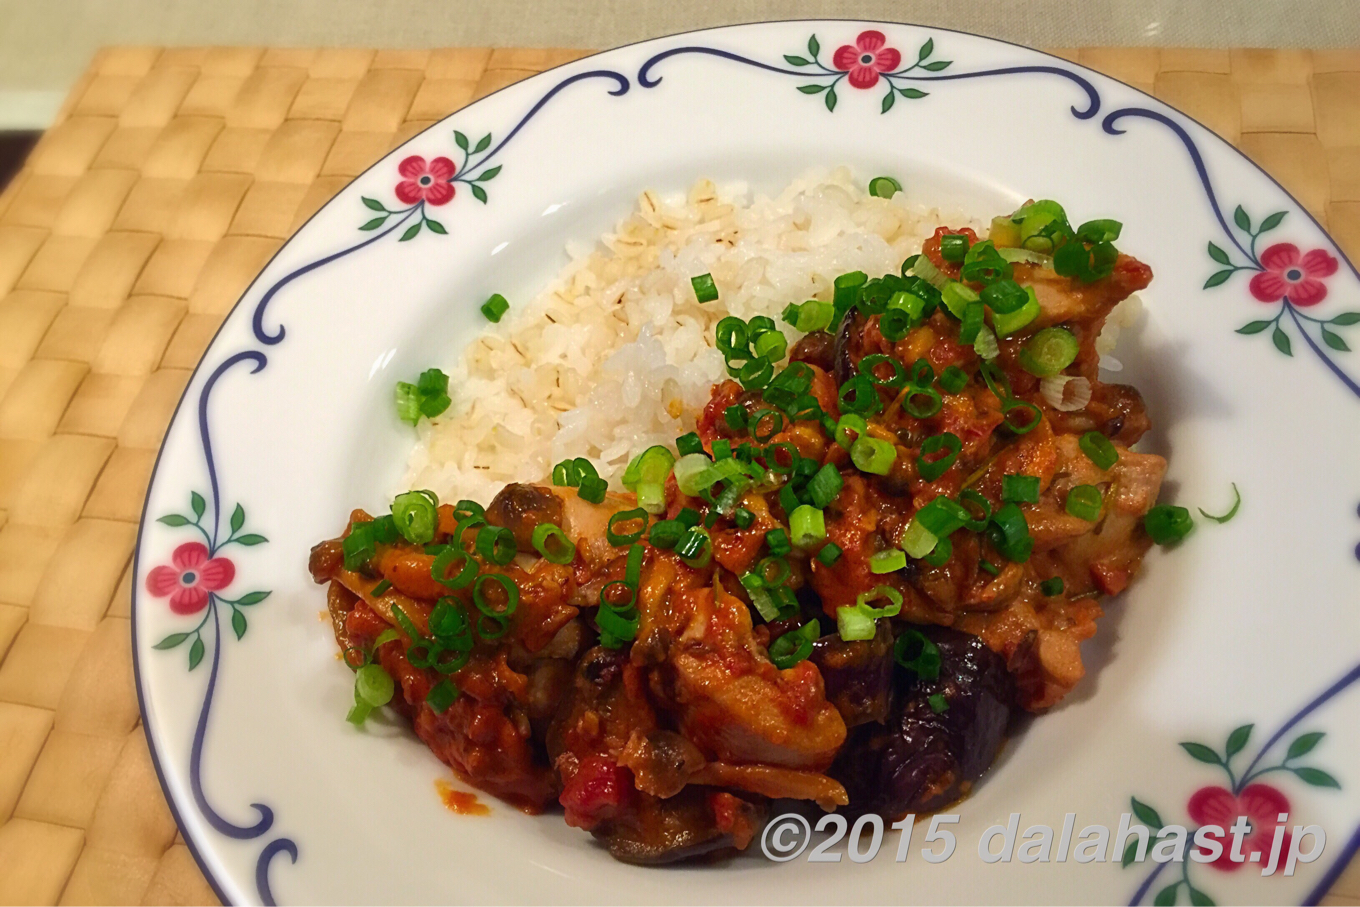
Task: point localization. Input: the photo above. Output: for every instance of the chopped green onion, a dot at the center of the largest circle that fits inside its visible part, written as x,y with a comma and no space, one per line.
688,517
416,516
983,264
849,428
794,646
887,560
441,696
907,302
985,345
593,490
893,608
439,570
1004,297
666,533
1021,489
918,541
925,269
1011,406
942,516
853,624
970,498
773,419
922,410
694,547
1237,503
617,624
1048,352
705,290
694,473
553,544
895,323
953,247
830,553
1008,324
940,555
1168,523
1009,533
938,704
777,540
359,546
383,586
428,397
743,518
1098,449
947,443
989,567
1052,586
487,607
973,314
1098,231
565,474
447,620
914,651
807,525
732,338
873,455
722,448
859,395
772,345
956,296
1084,502
373,686
495,307
689,444
735,416
868,364
884,187
496,544
814,315
825,486
847,288
646,476
619,539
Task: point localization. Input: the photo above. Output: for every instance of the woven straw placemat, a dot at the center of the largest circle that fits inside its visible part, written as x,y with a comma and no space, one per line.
170,179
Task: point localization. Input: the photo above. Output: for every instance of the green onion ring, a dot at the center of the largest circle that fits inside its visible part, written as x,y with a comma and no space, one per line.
617,539
511,596
439,570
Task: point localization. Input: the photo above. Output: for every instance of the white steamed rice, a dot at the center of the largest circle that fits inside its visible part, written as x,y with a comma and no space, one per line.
616,354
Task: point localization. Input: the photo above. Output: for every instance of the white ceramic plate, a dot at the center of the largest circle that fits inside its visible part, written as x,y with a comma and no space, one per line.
288,423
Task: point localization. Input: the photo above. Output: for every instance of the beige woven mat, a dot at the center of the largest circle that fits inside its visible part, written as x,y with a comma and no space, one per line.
170,179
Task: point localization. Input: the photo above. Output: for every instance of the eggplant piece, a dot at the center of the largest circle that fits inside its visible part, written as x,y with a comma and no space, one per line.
922,760
816,348
858,676
848,337
682,827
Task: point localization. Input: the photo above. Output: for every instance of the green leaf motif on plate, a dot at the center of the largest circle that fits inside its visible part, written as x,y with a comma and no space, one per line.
1237,739
1281,341
1303,744
1316,777
1202,753
1254,327
1217,278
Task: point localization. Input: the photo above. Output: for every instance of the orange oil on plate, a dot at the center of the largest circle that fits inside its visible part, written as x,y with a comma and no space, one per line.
461,802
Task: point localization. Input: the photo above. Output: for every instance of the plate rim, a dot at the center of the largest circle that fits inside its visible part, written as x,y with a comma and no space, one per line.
1328,877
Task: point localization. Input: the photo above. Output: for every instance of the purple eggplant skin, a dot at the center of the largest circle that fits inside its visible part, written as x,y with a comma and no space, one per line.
848,336
858,676
921,760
